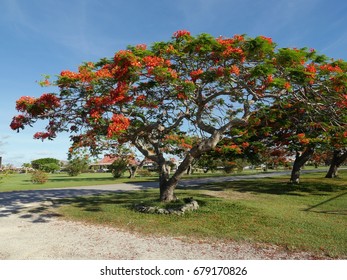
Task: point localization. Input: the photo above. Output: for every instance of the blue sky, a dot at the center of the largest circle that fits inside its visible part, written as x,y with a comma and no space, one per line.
47,36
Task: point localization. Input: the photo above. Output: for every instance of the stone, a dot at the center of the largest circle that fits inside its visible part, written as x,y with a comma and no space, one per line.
190,205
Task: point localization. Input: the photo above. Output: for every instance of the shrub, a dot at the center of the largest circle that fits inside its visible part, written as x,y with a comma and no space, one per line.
144,173
39,177
118,167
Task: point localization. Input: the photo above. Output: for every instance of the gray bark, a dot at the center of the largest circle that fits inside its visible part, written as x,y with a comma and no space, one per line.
168,185
338,159
299,162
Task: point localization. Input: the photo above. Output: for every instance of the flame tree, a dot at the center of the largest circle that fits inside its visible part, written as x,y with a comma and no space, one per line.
297,133
189,87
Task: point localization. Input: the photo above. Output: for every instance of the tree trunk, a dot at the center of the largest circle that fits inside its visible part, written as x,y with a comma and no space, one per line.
266,167
338,158
168,185
299,162
133,169
167,191
332,172
190,170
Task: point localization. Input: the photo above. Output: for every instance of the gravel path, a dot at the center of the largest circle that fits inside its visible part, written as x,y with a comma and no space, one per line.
31,229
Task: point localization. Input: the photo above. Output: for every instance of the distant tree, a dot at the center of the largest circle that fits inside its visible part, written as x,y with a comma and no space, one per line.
133,166
77,165
46,164
26,166
50,167
339,157
338,149
293,131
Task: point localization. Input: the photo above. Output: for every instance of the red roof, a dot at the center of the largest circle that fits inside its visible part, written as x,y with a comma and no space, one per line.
109,159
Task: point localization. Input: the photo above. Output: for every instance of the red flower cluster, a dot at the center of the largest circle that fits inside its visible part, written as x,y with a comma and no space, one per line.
140,100
231,46
311,68
125,61
287,85
181,96
182,142
232,148
230,50
245,145
94,104
126,58
235,70
343,102
141,46
331,68
269,79
170,49
24,102
181,33
220,71
230,41
153,61
18,122
119,93
42,135
48,101
104,72
37,106
69,74
269,40
302,139
118,124
196,74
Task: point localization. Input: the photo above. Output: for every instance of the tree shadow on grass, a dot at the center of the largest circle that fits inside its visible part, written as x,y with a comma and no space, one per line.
327,207
94,203
272,186
39,205
127,200
35,206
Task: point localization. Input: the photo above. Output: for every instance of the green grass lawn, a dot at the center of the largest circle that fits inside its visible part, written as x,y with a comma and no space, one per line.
311,216
16,182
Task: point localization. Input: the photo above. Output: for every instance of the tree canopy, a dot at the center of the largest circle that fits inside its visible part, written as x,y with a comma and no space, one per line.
184,95
46,164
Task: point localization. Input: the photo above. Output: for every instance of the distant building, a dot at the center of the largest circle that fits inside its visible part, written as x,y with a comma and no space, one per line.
103,164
